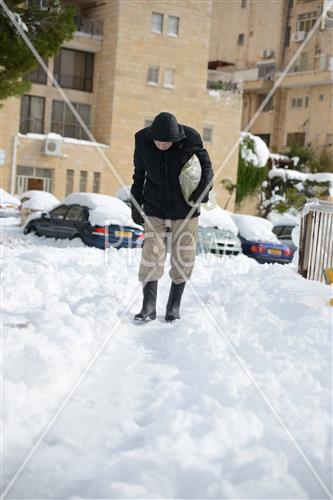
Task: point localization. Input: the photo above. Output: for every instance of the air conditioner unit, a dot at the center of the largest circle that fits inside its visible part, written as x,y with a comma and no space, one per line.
52,147
266,53
298,36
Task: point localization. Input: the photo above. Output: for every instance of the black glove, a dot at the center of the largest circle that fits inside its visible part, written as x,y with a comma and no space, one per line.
136,216
196,195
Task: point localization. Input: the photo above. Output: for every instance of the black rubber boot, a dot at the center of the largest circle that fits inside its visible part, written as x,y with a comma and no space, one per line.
148,311
173,305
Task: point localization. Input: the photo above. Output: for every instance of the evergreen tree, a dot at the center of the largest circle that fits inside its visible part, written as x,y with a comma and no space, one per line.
46,26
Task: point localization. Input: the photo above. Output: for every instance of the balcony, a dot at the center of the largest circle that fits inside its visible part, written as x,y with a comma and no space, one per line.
89,27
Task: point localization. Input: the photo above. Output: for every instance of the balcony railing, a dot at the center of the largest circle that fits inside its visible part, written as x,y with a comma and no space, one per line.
88,26
74,82
31,125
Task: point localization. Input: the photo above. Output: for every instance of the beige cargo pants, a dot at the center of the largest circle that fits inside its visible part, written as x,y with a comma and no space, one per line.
167,234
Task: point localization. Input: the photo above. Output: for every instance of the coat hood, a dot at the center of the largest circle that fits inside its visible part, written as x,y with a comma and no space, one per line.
165,128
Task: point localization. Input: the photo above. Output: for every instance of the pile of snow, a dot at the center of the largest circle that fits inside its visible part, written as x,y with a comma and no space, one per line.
165,410
258,157
8,199
254,228
38,200
124,193
284,219
217,217
103,209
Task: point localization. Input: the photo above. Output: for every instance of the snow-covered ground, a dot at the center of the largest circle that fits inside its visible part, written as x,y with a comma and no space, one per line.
233,401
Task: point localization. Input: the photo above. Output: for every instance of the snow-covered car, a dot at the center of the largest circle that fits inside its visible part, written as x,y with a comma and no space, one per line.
258,240
9,204
98,219
217,233
283,227
35,202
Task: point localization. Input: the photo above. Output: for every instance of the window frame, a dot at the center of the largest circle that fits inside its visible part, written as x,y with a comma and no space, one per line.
59,127
240,39
171,33
209,128
152,67
31,129
169,85
157,32
88,71
83,181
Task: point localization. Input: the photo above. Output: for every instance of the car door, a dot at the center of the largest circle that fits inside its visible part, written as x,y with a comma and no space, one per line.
52,227
74,221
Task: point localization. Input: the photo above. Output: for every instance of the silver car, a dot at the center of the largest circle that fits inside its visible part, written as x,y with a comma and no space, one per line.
218,241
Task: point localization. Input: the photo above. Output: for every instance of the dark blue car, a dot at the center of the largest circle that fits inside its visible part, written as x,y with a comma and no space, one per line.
266,252
72,221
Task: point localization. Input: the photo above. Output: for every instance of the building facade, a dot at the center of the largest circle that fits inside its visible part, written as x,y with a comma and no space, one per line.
251,44
127,61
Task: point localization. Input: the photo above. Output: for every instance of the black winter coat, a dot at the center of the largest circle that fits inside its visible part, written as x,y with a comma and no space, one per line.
156,184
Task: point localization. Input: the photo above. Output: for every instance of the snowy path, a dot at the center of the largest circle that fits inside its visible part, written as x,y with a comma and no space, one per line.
166,411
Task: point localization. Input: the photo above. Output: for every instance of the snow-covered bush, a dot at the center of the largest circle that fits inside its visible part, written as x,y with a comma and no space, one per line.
252,170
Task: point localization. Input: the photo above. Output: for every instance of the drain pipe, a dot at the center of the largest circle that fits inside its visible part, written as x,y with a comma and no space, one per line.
13,177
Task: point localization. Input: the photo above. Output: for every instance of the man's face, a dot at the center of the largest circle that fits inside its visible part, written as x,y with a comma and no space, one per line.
163,146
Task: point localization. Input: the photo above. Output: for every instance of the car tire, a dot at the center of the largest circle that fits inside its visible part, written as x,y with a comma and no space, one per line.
33,230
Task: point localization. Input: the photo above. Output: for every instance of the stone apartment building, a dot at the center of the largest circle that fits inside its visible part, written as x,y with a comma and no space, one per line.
252,41
127,61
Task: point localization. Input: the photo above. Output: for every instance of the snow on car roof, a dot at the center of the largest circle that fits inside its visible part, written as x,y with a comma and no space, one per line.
285,219
217,217
123,193
255,228
39,200
6,198
103,208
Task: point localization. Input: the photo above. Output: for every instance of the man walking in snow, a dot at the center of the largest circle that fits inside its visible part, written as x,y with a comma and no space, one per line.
161,150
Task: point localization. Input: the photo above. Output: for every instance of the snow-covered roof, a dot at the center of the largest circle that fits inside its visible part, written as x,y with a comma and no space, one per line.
103,208
8,199
217,217
258,157
254,228
39,200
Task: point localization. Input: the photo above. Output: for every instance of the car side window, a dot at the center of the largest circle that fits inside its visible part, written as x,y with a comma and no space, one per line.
287,230
76,213
277,230
59,212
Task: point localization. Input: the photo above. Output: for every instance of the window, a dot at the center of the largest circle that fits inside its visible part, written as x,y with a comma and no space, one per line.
306,102
169,78
38,75
297,138
207,134
173,26
243,4
157,22
69,181
83,181
77,213
287,36
269,104
297,102
32,114
240,40
97,182
74,69
148,122
59,212
266,71
329,140
306,21
65,123
321,97
152,77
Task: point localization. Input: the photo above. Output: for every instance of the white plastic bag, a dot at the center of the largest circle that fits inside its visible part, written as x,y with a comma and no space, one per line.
189,179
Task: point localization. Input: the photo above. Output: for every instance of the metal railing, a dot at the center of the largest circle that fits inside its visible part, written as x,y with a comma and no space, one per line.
316,240
89,26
